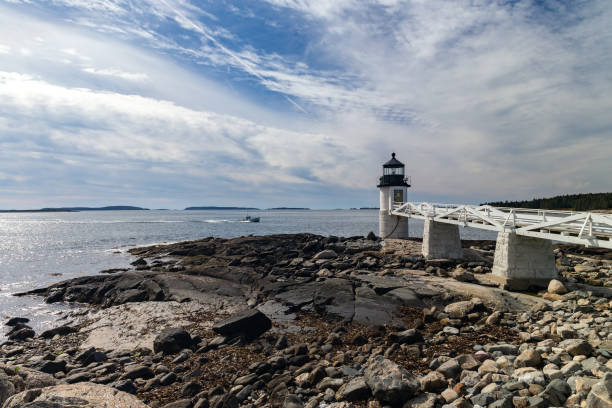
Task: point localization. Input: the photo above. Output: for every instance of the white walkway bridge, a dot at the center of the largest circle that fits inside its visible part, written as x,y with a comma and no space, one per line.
523,253
585,228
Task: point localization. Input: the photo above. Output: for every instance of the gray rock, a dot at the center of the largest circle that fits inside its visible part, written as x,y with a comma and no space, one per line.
201,403
528,358
355,390
505,402
79,377
90,355
556,392
333,383
326,254
191,389
576,347
507,349
389,382
570,368
425,400
433,382
244,393
168,379
557,287
22,334
292,401
494,318
459,310
407,336
138,371
537,402
125,386
52,367
482,399
14,320
450,369
6,388
182,403
61,330
172,340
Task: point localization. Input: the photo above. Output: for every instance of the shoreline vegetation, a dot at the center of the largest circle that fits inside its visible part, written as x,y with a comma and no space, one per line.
307,321
572,202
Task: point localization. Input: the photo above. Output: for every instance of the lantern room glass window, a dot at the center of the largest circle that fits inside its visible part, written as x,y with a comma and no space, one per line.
392,171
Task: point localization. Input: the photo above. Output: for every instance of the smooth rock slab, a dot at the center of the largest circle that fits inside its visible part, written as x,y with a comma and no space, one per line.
84,395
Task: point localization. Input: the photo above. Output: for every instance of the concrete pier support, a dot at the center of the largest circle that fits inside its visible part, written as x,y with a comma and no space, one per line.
392,226
522,262
441,240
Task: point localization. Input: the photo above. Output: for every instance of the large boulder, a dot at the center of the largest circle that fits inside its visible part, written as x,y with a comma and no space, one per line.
601,393
556,287
83,395
249,324
172,340
389,382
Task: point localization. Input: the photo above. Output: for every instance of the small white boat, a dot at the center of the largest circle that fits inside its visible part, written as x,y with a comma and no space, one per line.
248,218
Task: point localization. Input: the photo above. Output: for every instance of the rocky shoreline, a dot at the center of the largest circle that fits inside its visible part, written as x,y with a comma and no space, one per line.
302,320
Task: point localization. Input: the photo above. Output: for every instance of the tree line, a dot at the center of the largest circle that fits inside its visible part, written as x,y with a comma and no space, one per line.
575,202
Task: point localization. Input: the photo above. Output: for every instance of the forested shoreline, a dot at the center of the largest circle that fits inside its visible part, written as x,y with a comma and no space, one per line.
576,202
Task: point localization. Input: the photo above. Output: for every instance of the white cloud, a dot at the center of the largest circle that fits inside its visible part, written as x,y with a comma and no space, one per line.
4,49
117,73
129,127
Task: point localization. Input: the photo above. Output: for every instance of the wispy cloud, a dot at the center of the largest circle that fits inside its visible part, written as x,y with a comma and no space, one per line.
117,73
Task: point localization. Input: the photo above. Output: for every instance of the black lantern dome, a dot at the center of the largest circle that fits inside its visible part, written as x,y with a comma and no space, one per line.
393,174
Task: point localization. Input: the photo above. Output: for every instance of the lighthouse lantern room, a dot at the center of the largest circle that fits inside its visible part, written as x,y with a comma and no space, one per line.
393,186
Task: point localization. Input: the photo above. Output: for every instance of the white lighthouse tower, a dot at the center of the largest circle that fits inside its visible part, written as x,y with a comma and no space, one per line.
393,186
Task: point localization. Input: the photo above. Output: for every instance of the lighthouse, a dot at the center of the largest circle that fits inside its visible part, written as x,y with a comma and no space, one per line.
393,186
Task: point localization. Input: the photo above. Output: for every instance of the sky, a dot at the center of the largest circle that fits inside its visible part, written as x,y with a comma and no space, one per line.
175,103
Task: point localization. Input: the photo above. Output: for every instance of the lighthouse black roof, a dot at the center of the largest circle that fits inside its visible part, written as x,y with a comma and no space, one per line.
393,174
393,162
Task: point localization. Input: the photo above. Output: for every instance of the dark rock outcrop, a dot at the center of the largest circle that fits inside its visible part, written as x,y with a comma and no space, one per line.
248,324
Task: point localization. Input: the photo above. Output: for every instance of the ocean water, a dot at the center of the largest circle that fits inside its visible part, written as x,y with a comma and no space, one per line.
38,249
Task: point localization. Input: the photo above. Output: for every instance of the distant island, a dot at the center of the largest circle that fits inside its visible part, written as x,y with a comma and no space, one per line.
574,202
77,209
289,208
220,208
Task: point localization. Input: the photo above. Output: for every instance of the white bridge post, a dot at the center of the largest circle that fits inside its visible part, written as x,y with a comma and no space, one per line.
441,240
521,262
